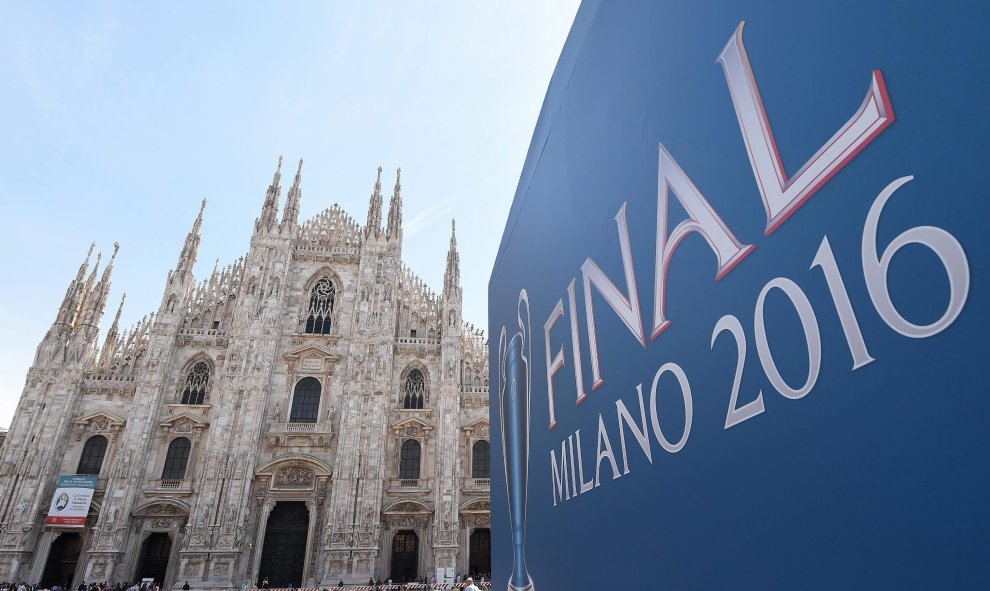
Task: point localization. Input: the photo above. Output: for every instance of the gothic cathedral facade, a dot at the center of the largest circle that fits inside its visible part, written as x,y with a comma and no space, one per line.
308,414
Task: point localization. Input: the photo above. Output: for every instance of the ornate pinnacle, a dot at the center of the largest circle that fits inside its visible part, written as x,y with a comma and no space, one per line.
452,277
269,211
290,215
395,209
374,225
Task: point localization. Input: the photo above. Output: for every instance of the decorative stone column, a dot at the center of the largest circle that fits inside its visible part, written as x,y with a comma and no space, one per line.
42,550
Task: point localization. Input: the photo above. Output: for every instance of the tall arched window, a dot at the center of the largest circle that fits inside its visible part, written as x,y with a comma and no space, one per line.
409,457
320,315
305,401
194,390
414,390
92,455
481,460
176,459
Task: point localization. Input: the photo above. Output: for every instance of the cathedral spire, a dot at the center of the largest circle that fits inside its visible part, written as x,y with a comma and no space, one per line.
108,272
269,211
187,258
86,295
452,277
70,303
290,216
395,210
85,264
114,328
374,225
96,302
110,343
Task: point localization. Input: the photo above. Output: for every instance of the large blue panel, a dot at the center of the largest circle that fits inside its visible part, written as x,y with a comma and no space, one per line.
876,477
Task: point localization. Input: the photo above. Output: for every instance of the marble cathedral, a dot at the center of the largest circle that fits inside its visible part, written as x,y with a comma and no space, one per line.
312,412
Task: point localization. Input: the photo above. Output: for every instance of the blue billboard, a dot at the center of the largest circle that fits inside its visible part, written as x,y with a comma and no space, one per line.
738,313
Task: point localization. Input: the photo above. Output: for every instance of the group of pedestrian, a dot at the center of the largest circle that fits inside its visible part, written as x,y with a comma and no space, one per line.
105,586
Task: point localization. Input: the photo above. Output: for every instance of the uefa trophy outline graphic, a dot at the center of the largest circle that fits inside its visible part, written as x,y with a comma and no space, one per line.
515,354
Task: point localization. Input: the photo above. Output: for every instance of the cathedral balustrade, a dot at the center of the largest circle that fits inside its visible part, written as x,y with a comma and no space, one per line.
476,484
421,345
300,434
169,486
474,398
408,485
345,254
109,384
202,337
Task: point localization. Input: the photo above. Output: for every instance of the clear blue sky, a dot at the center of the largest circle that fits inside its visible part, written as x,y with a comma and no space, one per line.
120,117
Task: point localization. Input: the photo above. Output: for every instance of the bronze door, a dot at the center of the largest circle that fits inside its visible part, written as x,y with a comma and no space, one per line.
283,555
405,556
153,560
62,559
480,557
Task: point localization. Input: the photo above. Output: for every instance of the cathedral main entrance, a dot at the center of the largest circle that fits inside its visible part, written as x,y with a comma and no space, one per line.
62,560
480,556
153,559
405,556
283,555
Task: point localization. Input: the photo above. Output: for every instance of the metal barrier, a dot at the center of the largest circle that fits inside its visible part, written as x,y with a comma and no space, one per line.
485,586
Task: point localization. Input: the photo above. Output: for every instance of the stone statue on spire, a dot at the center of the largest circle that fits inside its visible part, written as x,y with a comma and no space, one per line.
269,211
290,215
394,231
374,226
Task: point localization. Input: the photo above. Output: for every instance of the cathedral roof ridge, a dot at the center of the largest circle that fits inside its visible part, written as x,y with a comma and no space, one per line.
328,229
334,209
410,281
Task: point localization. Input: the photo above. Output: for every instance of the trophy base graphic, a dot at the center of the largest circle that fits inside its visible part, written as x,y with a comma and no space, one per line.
514,380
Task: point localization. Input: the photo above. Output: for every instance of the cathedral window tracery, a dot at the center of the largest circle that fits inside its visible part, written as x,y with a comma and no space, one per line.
194,390
409,458
305,401
93,452
481,463
414,390
176,459
319,318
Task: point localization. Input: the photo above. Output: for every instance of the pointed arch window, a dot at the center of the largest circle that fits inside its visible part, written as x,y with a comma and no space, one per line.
409,457
305,401
414,390
481,461
176,459
319,318
194,390
93,452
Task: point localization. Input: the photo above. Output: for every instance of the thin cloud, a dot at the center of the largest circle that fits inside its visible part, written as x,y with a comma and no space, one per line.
424,218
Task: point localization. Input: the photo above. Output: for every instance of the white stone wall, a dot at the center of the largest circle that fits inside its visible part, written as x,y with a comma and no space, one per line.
246,322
